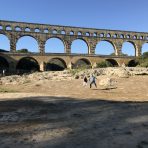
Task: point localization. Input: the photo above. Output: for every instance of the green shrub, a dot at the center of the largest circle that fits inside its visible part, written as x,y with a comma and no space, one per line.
23,51
145,55
143,63
143,60
74,71
104,64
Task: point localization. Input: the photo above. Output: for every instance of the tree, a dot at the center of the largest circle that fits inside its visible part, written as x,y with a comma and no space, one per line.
23,51
145,55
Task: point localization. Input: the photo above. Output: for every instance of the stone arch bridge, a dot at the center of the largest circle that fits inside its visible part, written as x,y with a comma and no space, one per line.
42,32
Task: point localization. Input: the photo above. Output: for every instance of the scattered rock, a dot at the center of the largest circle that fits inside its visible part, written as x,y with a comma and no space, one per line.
122,72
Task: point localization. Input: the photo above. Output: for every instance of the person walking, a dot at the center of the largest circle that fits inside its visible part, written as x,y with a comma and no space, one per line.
3,72
93,80
85,81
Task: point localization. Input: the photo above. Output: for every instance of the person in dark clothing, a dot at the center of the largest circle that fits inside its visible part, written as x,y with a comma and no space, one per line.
85,81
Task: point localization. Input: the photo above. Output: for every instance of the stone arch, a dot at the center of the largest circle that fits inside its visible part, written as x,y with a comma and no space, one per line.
27,29
122,36
28,42
8,28
108,35
135,37
59,46
95,34
1,27
132,63
144,47
112,62
102,35
103,43
4,65
87,33
82,63
75,46
5,41
128,36
54,31
79,33
27,65
46,30
37,30
56,64
71,32
63,32
127,45
17,28
115,35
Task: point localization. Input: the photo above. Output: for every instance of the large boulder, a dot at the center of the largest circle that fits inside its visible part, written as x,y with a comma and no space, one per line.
108,83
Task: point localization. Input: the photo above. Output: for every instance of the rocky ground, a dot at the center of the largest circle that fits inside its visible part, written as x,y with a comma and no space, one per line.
53,109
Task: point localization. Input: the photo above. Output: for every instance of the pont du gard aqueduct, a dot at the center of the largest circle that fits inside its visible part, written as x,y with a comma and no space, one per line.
40,60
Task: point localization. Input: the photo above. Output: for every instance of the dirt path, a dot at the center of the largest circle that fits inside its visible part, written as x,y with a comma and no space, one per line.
66,115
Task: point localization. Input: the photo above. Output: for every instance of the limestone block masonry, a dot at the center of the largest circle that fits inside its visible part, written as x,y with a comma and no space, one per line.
42,32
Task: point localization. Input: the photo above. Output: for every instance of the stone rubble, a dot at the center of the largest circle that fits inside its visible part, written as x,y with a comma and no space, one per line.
122,72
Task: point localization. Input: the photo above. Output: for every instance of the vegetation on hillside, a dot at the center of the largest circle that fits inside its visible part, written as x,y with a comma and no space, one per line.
121,54
143,60
104,64
23,51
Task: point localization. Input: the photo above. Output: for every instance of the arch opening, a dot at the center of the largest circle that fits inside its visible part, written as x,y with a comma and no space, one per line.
36,30
112,62
105,48
135,37
17,28
144,48
4,65
95,34
27,44
81,63
8,28
87,34
79,33
4,43
122,36
46,30
128,49
132,63
54,45
54,31
56,64
79,46
27,65
63,32
108,35
27,29
71,33
115,36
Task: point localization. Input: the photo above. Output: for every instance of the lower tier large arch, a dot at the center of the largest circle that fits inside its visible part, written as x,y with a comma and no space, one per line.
27,65
132,63
4,65
56,64
112,62
82,63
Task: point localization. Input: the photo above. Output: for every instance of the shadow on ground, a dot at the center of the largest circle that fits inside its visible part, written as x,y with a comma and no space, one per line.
45,122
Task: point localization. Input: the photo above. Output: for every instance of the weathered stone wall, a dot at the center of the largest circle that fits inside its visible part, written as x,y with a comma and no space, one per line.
42,32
